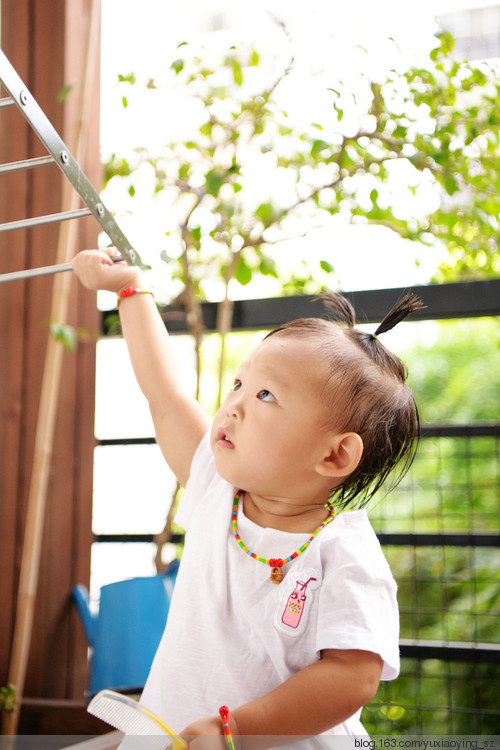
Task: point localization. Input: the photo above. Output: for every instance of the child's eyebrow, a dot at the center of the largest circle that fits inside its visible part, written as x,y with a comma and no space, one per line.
269,375
277,378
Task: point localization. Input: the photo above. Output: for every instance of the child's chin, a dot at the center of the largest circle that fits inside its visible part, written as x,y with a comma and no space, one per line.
231,476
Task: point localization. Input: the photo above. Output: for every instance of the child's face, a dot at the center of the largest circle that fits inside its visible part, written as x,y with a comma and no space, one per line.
271,429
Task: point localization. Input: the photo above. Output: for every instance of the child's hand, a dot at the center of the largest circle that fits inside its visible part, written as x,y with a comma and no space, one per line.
205,734
96,270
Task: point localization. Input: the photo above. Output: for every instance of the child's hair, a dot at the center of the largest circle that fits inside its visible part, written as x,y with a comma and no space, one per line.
376,401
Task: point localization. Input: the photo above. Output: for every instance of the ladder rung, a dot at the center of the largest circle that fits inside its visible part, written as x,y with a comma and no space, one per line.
7,102
48,219
45,270
32,272
15,166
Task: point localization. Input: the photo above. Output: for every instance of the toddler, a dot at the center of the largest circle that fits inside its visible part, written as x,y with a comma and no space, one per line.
282,610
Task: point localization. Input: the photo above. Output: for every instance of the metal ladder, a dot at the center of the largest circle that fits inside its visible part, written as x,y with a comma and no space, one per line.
59,154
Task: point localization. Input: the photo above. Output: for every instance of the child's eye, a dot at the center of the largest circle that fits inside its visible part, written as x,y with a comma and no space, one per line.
236,385
265,395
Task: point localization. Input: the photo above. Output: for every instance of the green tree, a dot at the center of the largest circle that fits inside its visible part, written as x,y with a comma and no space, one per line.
246,178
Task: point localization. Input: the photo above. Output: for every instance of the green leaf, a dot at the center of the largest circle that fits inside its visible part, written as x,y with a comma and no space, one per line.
131,191
326,266
124,102
318,146
254,58
339,111
128,78
195,233
267,267
450,184
116,167
177,66
237,71
243,272
214,181
206,128
63,333
266,213
8,699
62,95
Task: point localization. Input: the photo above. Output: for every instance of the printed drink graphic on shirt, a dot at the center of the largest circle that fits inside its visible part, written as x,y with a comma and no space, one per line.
295,604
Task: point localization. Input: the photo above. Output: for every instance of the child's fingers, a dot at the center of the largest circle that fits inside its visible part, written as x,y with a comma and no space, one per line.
96,270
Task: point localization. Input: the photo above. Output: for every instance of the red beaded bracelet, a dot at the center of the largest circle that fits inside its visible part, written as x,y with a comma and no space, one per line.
224,714
130,293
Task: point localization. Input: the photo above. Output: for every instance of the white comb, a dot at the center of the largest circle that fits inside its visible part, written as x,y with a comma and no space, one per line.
132,718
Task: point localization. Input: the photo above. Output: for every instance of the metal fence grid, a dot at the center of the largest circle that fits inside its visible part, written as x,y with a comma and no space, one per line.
453,485
440,528
436,697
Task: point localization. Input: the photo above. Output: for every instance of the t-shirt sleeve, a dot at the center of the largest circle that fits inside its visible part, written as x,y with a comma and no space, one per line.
358,605
201,474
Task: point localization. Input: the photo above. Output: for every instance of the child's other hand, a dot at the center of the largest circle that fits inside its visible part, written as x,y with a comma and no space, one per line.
96,270
205,734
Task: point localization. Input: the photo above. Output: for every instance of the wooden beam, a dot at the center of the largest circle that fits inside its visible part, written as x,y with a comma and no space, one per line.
44,42
472,299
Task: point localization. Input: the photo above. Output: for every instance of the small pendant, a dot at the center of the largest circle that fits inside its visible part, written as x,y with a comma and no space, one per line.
276,575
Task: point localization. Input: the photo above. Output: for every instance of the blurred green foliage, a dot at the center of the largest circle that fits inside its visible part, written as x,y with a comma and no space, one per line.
455,376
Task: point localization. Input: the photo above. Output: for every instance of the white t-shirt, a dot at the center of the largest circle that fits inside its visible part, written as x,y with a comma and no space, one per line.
233,635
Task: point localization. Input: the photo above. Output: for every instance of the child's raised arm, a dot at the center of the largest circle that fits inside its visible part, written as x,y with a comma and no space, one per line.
178,418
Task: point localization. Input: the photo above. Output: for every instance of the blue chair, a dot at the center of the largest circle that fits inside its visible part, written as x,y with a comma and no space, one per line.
125,633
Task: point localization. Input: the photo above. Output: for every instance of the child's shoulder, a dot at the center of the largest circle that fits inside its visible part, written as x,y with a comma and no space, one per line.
353,522
354,538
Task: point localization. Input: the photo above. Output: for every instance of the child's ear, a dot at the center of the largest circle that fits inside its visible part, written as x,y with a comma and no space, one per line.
344,455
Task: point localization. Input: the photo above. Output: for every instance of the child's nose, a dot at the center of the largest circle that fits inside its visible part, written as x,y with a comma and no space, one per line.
234,405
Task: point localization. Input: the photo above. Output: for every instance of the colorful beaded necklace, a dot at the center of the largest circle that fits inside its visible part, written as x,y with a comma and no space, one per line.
276,564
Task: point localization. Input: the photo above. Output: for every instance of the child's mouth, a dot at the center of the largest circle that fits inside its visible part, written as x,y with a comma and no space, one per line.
223,438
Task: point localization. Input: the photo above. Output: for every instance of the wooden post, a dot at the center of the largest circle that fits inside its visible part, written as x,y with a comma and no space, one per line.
44,439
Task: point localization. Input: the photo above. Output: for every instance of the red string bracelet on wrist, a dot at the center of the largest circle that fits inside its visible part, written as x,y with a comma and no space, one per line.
130,293
224,714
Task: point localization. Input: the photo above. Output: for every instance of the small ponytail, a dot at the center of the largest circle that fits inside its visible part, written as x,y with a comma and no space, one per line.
339,307
341,310
405,305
